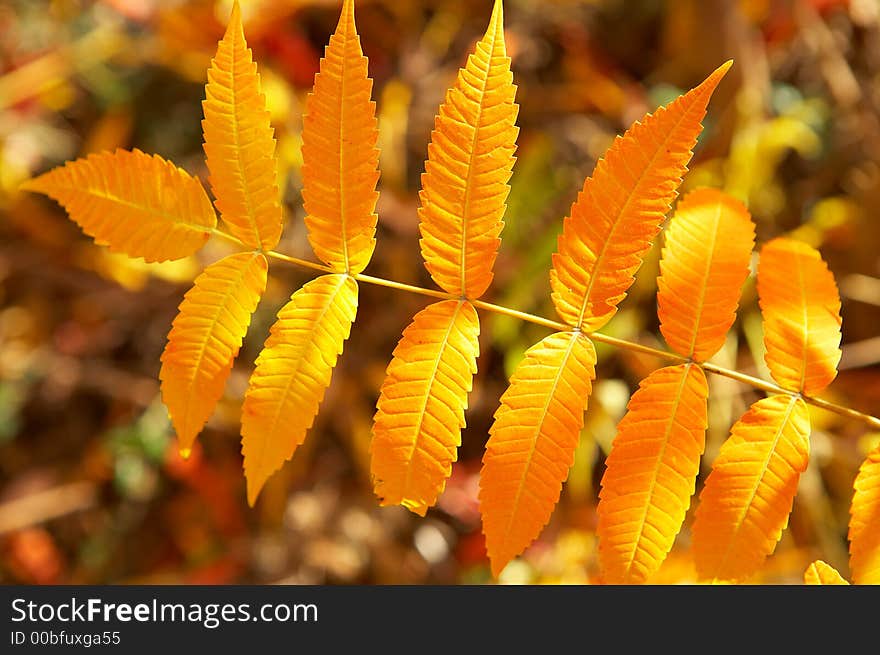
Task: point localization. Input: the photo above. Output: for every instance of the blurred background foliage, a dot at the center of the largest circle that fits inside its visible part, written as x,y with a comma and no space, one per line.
91,487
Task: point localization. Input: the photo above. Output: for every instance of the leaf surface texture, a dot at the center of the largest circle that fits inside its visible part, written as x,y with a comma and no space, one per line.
532,442
650,473
618,212
704,263
292,373
864,523
801,311
417,428
470,159
820,573
340,158
240,143
134,203
745,503
205,339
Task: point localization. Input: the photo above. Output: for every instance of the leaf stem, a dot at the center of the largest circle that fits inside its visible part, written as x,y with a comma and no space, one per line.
750,380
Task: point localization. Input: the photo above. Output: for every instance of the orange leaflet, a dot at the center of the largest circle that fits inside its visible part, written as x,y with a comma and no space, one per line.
292,373
705,261
470,159
340,159
651,472
801,310
240,143
417,428
133,203
532,442
745,503
864,526
618,213
205,338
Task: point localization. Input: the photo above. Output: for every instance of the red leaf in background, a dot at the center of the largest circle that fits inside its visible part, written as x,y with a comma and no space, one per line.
294,56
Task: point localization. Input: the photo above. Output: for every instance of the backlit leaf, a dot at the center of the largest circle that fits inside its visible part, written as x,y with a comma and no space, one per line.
292,373
240,143
820,573
619,211
864,523
417,428
650,473
801,311
745,503
470,159
340,158
205,338
133,203
705,261
532,442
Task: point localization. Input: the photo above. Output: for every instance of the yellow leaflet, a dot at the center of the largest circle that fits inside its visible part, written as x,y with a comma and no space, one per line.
705,261
820,573
650,473
292,373
618,213
745,503
340,158
470,159
417,427
864,523
133,203
801,310
205,338
532,442
239,142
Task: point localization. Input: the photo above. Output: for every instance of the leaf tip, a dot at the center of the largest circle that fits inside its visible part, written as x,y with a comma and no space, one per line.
254,486
34,184
497,565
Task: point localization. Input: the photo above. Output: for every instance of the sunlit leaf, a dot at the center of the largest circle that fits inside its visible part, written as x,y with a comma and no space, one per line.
240,143
650,473
292,373
417,428
864,523
532,442
340,158
745,503
619,211
801,310
205,338
133,203
470,159
705,261
820,573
